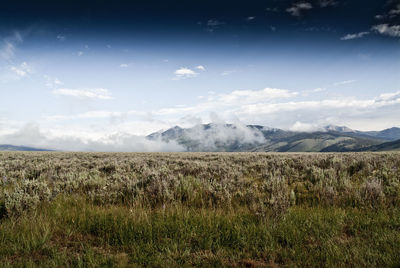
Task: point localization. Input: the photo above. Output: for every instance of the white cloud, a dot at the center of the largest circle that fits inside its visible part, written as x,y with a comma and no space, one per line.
315,90
235,98
250,18
52,82
344,82
21,70
124,65
33,135
201,68
354,36
93,93
385,29
80,53
297,8
252,96
184,72
112,115
305,127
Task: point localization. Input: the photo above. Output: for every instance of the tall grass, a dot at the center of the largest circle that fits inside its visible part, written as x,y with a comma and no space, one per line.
199,209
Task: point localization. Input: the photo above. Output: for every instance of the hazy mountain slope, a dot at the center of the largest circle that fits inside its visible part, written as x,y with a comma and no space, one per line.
235,138
8,147
318,142
387,146
390,134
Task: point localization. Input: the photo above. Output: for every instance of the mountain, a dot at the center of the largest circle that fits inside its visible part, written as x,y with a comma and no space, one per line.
237,138
386,146
7,147
318,142
390,134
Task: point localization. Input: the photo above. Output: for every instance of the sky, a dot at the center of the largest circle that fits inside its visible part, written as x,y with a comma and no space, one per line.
99,75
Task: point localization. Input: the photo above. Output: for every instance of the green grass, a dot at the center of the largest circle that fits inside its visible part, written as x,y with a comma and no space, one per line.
74,232
177,210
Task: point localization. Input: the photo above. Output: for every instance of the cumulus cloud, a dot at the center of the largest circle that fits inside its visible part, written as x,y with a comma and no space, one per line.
184,72
386,29
92,93
354,36
297,8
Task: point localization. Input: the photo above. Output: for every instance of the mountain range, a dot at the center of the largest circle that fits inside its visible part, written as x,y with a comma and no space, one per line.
238,138
255,138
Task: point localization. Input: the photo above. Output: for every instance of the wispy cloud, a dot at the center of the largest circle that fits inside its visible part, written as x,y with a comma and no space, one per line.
328,3
94,93
354,36
52,82
61,37
228,72
386,29
124,65
213,24
8,45
21,70
344,82
297,8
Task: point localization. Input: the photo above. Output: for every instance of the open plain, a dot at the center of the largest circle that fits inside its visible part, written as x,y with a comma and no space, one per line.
202,209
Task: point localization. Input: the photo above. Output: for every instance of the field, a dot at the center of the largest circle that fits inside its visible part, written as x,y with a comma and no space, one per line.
199,209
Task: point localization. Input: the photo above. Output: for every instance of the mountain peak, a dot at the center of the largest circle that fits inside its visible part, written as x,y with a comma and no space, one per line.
338,128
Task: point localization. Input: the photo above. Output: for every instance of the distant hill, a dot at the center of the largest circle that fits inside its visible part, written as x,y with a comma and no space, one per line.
318,142
386,146
8,147
390,134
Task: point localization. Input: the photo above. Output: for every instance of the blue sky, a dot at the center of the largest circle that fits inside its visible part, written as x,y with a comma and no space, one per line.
92,73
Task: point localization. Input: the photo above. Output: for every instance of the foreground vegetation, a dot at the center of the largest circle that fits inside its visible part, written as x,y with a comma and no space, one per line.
184,209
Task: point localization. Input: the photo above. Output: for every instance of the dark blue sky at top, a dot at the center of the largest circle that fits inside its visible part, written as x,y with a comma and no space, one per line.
180,19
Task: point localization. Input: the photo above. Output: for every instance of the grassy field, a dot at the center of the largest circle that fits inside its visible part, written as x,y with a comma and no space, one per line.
199,209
